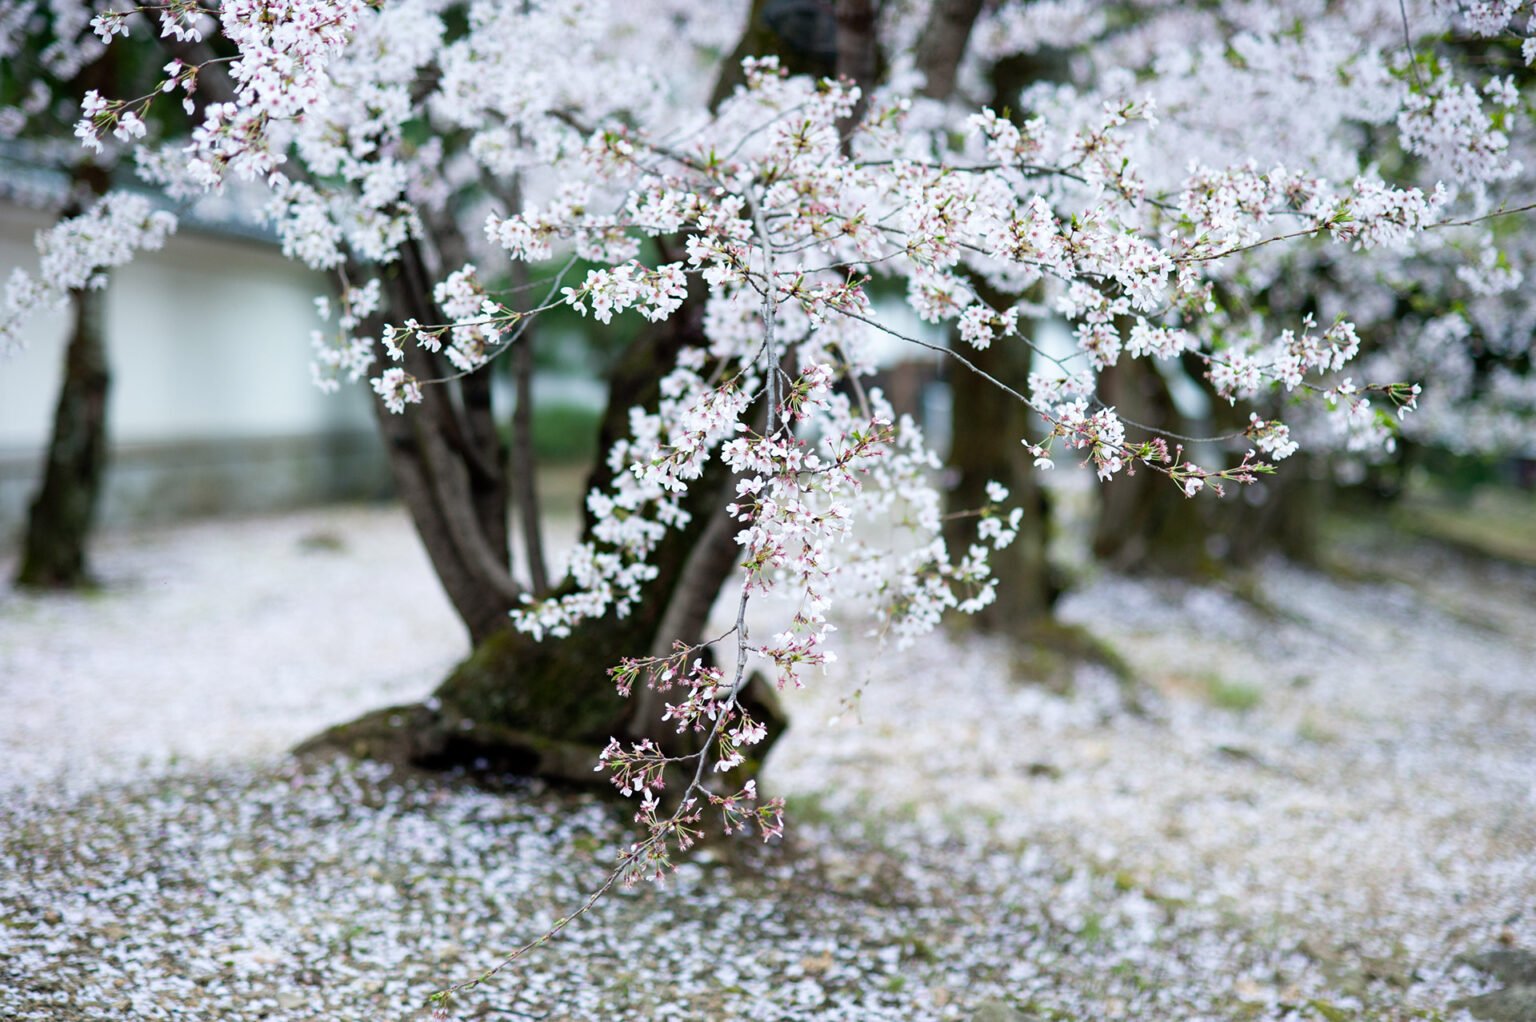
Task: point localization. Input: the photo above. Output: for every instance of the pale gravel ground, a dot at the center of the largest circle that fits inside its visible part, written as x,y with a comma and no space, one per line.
1370,818
220,641
1376,807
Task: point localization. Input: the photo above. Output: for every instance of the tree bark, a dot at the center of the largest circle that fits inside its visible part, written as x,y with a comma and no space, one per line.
62,512
1145,523
858,56
449,466
60,517
802,36
943,44
1279,515
468,425
986,428
419,461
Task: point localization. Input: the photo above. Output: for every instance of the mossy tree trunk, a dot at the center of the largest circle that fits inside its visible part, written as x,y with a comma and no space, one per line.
517,704
61,515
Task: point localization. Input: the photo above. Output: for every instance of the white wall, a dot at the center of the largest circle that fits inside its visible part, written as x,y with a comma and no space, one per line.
207,339
211,407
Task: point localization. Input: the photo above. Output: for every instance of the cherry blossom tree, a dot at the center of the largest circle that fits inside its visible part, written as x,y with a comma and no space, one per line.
1236,191
1250,92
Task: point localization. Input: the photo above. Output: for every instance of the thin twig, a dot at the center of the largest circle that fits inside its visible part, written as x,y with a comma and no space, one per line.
1413,58
523,321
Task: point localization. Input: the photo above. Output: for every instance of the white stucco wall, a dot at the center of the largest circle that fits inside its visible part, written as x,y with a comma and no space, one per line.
208,339
211,407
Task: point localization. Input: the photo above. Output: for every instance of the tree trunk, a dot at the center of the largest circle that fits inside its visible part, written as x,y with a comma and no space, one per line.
858,56
987,426
1146,525
449,467
547,707
60,517
803,37
61,514
1279,515
943,44
1145,522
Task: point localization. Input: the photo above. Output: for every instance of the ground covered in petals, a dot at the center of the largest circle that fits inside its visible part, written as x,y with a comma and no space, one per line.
1314,799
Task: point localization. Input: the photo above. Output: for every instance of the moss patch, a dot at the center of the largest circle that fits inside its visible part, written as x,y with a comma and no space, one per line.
1048,652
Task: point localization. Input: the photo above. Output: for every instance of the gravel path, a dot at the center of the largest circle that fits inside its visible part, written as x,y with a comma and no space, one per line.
1330,797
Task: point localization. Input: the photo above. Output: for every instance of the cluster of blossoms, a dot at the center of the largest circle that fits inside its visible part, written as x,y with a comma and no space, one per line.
655,293
1244,369
1273,438
343,354
1158,207
76,251
182,20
